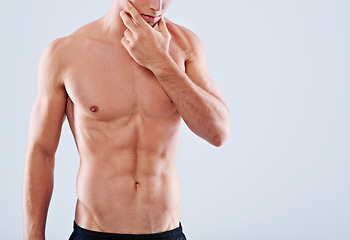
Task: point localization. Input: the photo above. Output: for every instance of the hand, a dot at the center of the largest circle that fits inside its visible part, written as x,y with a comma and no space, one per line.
147,46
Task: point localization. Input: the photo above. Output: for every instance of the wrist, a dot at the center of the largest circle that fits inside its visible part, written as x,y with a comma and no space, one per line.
163,65
34,237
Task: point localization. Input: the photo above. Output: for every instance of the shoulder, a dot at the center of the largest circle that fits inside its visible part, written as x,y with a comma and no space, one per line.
50,59
63,46
56,55
186,38
53,51
182,33
53,60
59,48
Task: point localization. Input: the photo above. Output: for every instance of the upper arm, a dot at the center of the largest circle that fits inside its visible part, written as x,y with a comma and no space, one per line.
48,110
196,66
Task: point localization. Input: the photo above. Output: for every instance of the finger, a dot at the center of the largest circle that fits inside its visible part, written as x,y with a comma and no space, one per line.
129,36
128,21
126,43
135,15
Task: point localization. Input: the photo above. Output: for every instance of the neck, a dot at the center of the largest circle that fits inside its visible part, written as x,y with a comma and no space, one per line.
112,23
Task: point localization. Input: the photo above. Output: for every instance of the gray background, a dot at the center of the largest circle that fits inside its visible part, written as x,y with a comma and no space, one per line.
283,68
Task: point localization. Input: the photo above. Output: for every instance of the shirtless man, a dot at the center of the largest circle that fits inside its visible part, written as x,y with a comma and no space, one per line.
124,82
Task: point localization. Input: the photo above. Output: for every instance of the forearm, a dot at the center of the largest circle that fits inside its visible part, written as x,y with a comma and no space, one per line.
37,191
206,115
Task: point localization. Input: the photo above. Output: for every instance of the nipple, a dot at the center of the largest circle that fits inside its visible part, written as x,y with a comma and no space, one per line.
94,109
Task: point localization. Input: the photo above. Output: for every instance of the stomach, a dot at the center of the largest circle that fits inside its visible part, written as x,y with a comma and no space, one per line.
128,194
127,181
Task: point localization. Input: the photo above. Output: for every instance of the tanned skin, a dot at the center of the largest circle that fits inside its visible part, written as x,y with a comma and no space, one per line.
124,82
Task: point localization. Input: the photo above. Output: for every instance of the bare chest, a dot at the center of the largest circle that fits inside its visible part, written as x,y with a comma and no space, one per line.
106,83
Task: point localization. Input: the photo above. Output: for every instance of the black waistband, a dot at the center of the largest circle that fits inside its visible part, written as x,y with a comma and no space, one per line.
79,231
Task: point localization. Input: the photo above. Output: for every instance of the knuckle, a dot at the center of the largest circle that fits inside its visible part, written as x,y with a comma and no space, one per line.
127,20
132,46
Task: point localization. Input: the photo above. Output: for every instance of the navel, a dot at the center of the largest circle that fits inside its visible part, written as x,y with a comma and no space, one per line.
94,109
137,184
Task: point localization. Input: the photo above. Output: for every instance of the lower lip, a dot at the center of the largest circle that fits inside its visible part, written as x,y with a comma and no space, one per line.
150,19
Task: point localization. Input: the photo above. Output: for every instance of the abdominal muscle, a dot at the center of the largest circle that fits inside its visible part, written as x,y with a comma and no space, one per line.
108,202
127,184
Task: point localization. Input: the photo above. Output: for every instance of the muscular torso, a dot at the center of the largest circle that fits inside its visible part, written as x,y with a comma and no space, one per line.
126,129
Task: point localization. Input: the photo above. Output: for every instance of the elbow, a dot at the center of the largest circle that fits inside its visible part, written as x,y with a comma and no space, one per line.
40,152
221,135
219,140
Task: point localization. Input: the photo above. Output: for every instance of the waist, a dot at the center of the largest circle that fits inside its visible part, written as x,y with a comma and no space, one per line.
175,233
107,196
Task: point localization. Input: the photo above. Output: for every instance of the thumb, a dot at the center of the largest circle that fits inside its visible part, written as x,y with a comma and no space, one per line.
162,27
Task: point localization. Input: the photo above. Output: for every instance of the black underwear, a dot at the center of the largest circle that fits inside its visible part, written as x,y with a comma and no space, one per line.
85,234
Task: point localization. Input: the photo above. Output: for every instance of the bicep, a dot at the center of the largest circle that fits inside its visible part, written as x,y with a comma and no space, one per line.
49,106
196,69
